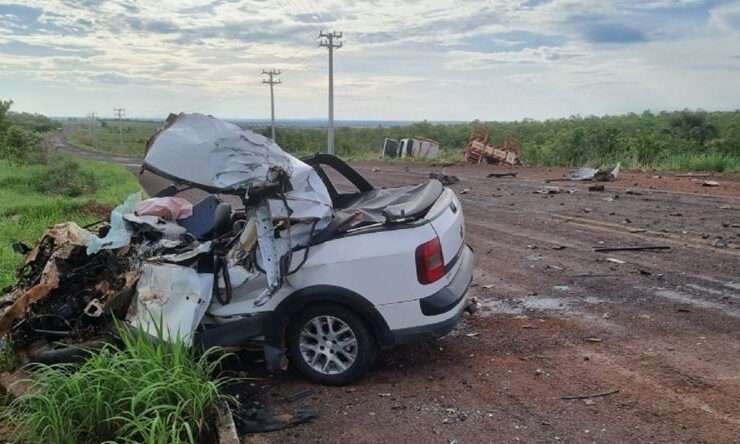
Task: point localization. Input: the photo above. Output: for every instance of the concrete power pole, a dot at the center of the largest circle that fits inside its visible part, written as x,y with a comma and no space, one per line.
330,40
119,113
91,129
272,82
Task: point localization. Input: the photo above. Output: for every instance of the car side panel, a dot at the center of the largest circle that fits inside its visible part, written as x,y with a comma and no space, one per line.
380,266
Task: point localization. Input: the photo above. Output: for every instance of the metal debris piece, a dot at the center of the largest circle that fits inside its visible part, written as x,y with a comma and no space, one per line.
444,178
592,174
499,175
592,395
596,188
636,248
710,183
549,190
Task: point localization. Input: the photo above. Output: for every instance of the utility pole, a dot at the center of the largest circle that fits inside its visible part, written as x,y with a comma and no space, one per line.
119,113
272,82
91,129
330,40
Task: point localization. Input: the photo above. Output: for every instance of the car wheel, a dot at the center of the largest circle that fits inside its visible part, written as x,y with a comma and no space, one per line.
331,345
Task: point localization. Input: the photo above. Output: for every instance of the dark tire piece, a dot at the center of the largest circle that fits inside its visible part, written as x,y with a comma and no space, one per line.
367,348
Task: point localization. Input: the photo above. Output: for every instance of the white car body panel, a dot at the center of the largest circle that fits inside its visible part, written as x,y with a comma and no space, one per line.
363,263
380,266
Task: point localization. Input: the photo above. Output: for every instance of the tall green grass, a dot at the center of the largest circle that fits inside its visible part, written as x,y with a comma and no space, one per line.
25,212
703,162
145,391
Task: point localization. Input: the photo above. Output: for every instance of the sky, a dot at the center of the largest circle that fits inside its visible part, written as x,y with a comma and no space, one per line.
400,60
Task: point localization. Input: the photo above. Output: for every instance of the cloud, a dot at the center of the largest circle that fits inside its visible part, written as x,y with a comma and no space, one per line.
316,17
470,61
406,59
116,79
613,33
20,13
23,49
727,17
22,20
155,26
514,40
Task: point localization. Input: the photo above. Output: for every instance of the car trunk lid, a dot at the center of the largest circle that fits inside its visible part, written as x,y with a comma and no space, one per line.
446,218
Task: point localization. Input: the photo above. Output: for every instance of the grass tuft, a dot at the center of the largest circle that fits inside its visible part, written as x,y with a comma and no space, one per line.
144,391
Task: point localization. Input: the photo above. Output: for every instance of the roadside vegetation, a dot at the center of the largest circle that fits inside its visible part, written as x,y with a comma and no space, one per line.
143,391
682,140
38,190
125,137
34,197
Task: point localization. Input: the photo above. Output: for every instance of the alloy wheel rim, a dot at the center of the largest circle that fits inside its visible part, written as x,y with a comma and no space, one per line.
328,345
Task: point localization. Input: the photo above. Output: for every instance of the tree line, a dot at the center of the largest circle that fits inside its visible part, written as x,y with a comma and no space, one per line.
676,140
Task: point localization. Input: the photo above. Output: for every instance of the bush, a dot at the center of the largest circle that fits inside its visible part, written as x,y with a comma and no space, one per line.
32,122
65,177
20,146
145,391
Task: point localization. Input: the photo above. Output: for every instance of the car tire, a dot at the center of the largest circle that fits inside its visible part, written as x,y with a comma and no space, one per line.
330,345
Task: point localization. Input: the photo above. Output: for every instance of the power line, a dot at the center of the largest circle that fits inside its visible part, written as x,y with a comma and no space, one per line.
330,40
271,74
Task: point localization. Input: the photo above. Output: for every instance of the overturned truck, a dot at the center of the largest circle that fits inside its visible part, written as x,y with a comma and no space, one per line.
242,243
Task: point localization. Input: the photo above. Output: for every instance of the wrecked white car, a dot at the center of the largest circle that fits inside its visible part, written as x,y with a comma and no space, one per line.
265,247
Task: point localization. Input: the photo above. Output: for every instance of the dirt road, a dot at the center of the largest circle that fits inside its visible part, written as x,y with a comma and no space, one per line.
558,319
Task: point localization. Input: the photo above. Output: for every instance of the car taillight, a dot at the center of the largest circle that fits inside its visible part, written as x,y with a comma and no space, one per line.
430,266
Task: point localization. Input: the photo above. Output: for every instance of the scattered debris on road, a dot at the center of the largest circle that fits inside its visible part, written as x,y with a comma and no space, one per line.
444,178
592,395
710,183
499,175
549,190
635,248
591,174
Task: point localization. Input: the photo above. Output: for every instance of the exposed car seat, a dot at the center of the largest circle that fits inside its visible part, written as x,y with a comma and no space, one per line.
211,218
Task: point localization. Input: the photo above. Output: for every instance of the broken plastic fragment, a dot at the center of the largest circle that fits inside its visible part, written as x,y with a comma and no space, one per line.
119,234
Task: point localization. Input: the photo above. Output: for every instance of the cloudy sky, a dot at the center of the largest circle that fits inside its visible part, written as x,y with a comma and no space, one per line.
405,59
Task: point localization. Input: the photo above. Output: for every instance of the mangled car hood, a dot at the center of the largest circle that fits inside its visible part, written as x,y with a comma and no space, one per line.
216,156
212,154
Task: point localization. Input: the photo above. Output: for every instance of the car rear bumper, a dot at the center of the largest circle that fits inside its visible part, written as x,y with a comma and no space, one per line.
445,307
